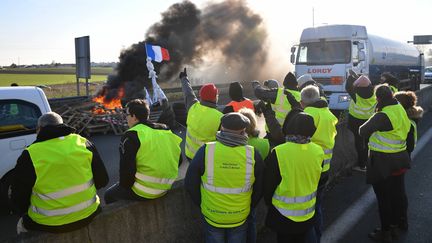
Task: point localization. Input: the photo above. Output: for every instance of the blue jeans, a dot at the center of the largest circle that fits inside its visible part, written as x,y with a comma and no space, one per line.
225,235
251,228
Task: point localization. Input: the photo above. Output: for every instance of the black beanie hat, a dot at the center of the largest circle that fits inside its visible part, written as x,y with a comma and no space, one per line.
236,91
290,81
300,124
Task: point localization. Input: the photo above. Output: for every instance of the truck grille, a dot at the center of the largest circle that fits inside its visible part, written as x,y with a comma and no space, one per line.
323,81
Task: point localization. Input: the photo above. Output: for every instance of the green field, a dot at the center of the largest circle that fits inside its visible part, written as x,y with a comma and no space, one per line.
43,79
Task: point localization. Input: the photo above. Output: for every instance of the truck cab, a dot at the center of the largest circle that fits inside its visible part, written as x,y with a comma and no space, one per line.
327,53
20,109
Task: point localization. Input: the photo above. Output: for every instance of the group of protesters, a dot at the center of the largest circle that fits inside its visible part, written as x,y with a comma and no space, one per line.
232,165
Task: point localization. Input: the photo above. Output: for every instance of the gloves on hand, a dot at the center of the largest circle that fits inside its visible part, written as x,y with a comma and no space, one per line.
183,74
291,99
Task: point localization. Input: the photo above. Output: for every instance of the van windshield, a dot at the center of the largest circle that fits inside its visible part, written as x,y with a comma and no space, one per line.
324,52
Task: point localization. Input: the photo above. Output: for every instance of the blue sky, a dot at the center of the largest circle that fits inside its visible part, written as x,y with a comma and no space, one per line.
42,31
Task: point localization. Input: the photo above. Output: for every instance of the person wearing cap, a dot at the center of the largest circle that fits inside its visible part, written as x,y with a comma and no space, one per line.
277,98
388,132
306,79
291,178
361,108
203,117
56,178
225,180
150,155
392,81
238,100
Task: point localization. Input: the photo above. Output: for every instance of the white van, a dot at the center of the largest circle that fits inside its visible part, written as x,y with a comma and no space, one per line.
20,108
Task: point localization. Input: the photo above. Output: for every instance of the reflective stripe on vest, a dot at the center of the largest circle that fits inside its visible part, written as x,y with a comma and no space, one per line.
295,196
202,124
362,108
295,199
65,192
226,185
325,123
281,106
296,213
65,211
156,161
154,179
210,173
395,140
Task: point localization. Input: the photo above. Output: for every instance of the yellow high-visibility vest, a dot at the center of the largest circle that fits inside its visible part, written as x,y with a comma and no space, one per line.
157,161
64,191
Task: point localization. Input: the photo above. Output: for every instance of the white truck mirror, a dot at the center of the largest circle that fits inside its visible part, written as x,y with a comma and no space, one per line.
292,59
293,49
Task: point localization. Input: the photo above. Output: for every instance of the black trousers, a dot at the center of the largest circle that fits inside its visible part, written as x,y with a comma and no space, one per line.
361,144
400,200
392,200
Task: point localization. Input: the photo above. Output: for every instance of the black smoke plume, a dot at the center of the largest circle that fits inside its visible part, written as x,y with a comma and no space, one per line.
226,35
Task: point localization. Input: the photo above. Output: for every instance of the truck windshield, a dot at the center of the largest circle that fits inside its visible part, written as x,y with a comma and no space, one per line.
324,52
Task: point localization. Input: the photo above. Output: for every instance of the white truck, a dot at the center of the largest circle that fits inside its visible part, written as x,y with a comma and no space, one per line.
20,108
328,52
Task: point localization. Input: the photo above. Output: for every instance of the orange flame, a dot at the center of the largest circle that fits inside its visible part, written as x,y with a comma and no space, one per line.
108,104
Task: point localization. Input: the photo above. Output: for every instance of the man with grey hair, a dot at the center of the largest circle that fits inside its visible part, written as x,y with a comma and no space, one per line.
56,179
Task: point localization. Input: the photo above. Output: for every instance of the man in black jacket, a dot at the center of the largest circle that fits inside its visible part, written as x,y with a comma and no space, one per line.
50,128
133,149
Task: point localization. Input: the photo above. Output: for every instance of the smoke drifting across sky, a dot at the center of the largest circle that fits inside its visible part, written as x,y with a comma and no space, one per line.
226,41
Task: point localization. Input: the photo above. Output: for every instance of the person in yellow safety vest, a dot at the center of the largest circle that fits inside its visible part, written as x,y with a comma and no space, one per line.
238,100
150,155
277,97
362,107
291,178
56,178
408,100
389,133
392,81
225,180
261,144
203,118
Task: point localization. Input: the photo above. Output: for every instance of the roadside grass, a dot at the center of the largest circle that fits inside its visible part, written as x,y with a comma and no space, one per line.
44,79
54,70
70,89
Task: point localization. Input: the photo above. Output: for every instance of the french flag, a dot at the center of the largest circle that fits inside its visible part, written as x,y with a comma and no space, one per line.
157,53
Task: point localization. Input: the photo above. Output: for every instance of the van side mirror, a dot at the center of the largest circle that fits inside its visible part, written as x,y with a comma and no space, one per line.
292,59
293,49
362,56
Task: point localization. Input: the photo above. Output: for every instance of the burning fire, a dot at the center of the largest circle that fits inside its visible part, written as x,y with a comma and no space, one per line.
108,104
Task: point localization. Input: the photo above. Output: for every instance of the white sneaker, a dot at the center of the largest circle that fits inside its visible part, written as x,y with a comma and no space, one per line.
20,227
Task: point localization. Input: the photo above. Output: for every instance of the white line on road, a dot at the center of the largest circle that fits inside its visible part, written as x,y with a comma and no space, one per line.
352,215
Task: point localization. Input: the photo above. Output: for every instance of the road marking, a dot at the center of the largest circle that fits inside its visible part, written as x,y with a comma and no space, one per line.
352,215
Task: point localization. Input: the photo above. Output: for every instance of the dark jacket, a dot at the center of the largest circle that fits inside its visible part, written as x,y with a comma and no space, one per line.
25,178
197,168
381,165
365,93
266,95
129,145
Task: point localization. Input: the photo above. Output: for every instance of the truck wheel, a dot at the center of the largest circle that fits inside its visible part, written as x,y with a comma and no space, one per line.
5,193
